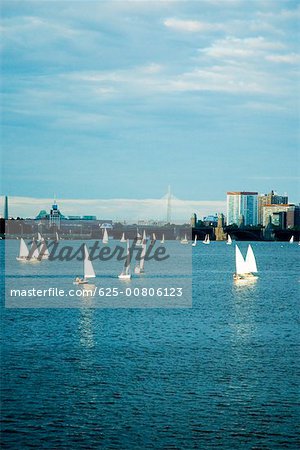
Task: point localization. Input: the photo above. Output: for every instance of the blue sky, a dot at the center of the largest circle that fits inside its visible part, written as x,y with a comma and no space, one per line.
114,99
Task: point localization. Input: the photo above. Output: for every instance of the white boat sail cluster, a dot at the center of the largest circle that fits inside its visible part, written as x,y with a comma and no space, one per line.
245,268
37,252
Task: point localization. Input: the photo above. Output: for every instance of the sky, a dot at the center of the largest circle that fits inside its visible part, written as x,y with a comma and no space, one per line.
118,99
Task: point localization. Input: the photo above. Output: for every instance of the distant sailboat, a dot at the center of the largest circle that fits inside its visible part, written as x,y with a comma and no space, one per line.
39,237
125,274
229,240
123,238
88,269
163,239
44,252
138,241
195,242
105,237
244,268
56,236
206,239
34,253
140,266
23,252
291,240
153,236
184,240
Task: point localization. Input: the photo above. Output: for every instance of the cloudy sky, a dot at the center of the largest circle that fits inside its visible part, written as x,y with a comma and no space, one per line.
119,99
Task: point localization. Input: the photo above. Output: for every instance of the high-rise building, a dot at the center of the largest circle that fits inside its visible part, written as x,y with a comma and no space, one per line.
269,199
194,220
293,216
242,206
274,214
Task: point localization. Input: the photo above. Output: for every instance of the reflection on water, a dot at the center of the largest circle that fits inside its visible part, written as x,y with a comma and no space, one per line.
222,374
85,326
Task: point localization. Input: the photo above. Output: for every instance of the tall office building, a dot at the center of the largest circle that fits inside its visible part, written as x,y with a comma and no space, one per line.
269,199
242,206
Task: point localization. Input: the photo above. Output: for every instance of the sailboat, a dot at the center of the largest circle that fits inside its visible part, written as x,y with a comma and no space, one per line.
43,250
34,253
138,242
195,242
206,239
105,237
163,239
153,236
291,240
88,269
139,268
229,240
184,240
56,236
245,268
123,238
39,237
23,252
125,274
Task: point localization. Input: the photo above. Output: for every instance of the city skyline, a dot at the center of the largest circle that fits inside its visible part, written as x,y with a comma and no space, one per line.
120,99
124,209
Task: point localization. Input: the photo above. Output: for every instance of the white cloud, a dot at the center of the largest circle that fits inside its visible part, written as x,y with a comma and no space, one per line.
233,47
191,25
116,209
289,58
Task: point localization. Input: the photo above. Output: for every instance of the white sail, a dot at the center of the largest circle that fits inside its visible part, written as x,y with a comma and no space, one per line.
123,238
229,240
163,239
250,261
43,250
56,236
195,242
143,253
292,239
144,236
34,251
125,274
154,236
105,237
87,265
240,263
39,237
23,253
206,240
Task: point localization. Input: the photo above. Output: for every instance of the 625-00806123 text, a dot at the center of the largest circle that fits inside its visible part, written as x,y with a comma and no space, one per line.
99,292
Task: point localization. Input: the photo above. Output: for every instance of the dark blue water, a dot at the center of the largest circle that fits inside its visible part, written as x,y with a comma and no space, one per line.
222,374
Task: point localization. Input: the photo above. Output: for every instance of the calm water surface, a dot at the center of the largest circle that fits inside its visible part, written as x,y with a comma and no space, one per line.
222,374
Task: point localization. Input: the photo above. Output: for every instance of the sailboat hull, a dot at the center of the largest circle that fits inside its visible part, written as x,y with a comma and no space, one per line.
124,277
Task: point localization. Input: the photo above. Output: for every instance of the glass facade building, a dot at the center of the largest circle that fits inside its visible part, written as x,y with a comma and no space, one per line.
242,206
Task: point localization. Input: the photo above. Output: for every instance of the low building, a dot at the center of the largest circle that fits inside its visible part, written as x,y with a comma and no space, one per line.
269,199
271,214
